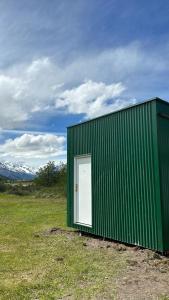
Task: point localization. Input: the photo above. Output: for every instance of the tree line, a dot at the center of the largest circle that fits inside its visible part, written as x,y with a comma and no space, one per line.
51,174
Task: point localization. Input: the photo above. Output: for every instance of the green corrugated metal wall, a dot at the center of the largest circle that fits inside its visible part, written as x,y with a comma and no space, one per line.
125,175
163,141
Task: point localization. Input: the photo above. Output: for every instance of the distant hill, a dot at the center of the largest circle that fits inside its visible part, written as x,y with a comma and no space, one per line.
16,171
3,178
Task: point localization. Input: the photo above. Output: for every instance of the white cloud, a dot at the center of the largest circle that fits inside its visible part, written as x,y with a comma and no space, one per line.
29,146
123,63
26,90
30,89
91,98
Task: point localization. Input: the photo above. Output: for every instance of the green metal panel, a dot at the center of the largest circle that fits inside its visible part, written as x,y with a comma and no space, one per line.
125,176
163,142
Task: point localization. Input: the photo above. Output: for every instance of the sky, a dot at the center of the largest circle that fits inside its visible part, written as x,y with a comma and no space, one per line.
66,61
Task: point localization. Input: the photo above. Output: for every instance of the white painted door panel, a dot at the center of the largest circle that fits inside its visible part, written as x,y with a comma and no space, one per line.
83,193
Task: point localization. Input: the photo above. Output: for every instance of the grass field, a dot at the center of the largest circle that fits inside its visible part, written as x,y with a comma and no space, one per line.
37,263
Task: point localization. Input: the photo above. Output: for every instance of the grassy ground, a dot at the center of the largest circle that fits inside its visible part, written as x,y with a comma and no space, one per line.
39,263
35,264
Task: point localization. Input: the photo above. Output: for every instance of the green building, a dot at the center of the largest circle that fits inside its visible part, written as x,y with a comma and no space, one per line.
118,175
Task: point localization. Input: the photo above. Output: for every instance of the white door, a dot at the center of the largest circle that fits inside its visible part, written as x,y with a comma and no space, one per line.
82,191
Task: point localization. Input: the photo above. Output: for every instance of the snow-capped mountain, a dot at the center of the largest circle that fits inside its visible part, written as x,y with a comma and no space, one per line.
16,171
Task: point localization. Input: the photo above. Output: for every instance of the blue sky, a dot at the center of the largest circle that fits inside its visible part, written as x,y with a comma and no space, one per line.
63,61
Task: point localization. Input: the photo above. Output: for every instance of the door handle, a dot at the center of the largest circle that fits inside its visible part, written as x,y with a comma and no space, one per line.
76,187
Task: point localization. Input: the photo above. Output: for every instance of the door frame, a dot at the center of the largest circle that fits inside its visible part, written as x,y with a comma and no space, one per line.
75,201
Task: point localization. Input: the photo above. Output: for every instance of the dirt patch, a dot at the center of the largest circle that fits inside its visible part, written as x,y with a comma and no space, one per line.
94,242
146,276
57,231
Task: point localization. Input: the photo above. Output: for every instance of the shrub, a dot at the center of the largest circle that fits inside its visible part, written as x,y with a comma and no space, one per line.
62,177
47,175
19,189
2,187
52,176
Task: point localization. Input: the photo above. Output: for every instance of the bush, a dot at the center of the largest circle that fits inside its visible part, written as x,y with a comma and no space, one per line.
51,179
62,177
47,175
51,175
21,190
2,187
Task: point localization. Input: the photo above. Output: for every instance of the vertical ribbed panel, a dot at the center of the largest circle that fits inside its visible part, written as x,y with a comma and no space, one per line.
124,198
163,138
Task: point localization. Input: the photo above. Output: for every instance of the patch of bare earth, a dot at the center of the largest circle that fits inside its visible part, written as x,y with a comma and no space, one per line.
146,276
57,231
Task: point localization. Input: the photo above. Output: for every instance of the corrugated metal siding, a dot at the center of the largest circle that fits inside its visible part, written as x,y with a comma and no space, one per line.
163,138
125,201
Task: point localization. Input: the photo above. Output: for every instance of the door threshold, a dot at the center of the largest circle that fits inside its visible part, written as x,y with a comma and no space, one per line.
82,224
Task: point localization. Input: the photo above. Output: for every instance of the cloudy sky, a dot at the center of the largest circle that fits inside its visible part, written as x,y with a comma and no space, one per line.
64,61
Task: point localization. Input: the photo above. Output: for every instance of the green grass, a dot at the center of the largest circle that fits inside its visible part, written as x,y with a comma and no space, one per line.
39,266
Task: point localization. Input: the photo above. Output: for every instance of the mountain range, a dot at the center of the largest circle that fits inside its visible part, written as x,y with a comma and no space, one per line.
16,171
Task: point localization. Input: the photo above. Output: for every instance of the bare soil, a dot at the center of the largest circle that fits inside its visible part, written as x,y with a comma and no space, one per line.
146,275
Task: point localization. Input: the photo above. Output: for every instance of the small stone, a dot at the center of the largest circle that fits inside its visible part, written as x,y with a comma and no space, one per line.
59,258
136,248
156,256
54,229
132,262
162,270
36,235
121,248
